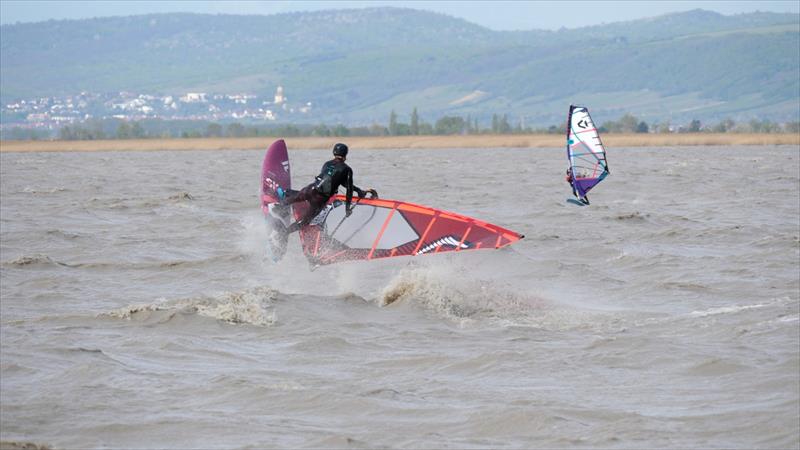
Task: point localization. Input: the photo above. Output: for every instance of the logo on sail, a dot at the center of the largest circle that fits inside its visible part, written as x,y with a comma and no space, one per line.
447,240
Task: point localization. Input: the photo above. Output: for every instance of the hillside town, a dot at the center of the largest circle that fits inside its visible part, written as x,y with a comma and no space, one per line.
54,112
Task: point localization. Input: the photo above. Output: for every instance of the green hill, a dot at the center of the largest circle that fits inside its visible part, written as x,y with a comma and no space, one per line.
357,65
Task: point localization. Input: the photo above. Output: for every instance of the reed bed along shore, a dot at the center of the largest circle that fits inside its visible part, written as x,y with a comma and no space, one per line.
401,142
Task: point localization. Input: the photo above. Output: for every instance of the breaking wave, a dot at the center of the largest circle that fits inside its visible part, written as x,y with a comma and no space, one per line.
37,259
23,445
447,293
129,202
181,196
726,310
253,307
38,191
635,216
64,234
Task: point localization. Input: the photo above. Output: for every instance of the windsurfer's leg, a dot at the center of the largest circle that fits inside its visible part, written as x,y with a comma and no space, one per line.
292,196
287,193
293,227
314,208
302,221
285,198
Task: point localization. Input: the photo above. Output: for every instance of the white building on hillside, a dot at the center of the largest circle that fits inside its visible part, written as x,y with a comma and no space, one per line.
194,97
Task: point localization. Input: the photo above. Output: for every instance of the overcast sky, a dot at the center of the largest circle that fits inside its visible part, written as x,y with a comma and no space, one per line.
497,15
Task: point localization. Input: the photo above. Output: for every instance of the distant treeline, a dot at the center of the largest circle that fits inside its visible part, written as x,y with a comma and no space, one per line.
95,129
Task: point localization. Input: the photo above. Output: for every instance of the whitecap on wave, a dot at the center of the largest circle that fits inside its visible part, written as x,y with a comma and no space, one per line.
37,259
41,191
446,292
254,307
496,289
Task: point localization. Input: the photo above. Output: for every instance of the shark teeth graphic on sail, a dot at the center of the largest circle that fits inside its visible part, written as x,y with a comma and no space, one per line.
447,240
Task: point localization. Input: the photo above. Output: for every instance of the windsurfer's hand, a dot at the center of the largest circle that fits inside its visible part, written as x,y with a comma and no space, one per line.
373,193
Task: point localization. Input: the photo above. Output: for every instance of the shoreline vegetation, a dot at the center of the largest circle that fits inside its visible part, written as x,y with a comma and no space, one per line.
402,142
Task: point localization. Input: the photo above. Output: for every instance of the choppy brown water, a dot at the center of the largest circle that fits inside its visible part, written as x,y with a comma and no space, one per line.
138,309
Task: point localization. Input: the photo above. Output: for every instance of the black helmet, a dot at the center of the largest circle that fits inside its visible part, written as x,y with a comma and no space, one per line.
340,149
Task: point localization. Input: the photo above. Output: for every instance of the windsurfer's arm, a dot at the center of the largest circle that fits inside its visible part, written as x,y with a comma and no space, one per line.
349,186
361,193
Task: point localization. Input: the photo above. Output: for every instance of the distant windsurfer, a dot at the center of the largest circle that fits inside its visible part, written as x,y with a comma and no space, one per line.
334,173
571,182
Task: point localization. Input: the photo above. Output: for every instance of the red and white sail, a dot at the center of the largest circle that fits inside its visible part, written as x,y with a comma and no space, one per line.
380,228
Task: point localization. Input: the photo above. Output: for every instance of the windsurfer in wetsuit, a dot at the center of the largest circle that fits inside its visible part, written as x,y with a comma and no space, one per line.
334,173
571,182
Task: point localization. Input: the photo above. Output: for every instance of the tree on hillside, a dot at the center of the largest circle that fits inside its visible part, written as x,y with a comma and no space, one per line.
765,126
235,130
724,126
393,123
214,130
414,128
93,131
425,129
341,130
378,130
123,130
321,130
403,129
628,123
503,126
137,130
449,125
23,134
288,130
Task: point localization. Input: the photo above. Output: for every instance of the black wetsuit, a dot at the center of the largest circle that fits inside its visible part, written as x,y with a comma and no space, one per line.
334,173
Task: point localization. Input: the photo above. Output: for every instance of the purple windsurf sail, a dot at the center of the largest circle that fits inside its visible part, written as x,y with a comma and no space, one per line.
585,151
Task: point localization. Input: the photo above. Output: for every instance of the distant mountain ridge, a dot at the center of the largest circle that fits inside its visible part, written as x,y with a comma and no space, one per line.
357,65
